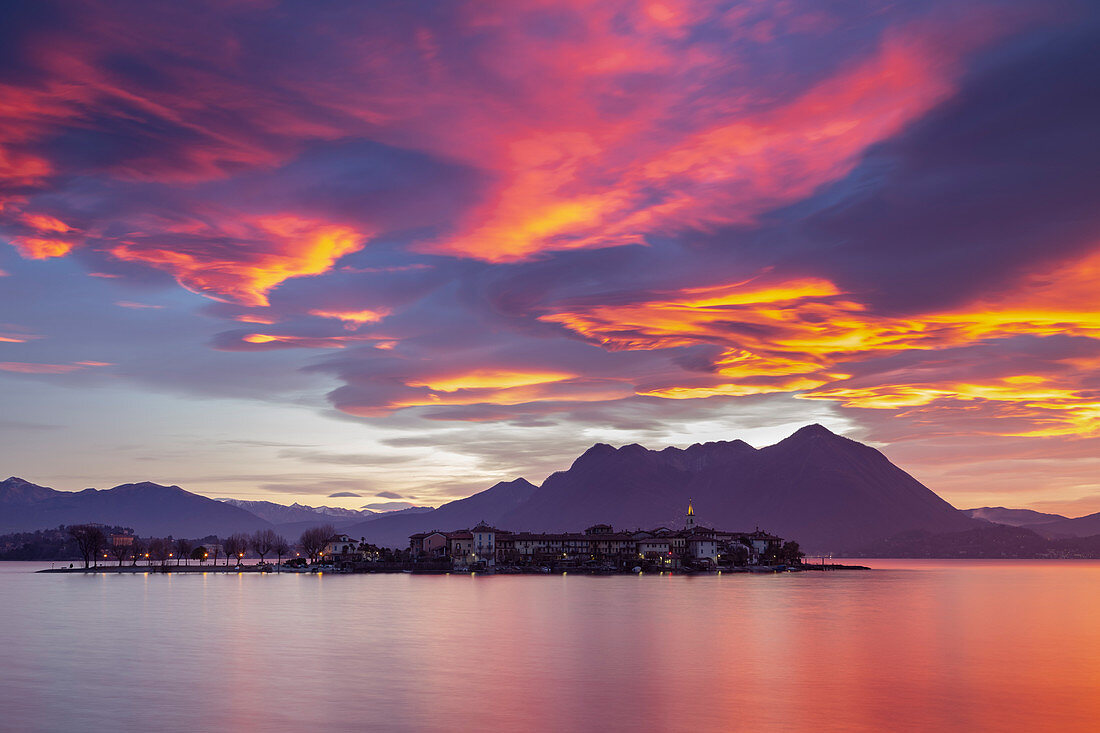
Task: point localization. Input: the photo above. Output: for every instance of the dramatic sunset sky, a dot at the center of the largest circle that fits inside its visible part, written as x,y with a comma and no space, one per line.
404,250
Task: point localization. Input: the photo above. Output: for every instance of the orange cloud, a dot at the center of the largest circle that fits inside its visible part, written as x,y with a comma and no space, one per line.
46,223
352,319
36,248
283,247
14,337
605,182
253,318
805,335
495,387
493,379
286,340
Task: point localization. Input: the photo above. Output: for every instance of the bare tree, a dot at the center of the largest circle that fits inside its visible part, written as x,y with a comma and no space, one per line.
215,547
263,542
121,551
160,550
89,541
235,546
137,549
314,539
280,548
183,550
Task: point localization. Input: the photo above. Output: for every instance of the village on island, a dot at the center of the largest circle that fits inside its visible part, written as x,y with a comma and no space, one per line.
599,549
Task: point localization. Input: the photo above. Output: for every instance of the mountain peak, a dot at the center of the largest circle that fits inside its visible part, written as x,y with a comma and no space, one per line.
516,484
17,489
595,453
147,486
814,430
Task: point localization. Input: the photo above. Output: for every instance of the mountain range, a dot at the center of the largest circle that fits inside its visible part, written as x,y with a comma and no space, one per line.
1012,517
151,509
829,493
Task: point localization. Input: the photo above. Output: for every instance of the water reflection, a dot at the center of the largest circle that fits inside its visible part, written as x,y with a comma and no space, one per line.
913,646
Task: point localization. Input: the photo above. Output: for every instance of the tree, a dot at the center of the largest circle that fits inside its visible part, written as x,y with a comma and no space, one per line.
89,541
263,542
314,539
739,555
183,549
235,547
215,548
790,553
120,551
160,550
199,553
281,547
137,549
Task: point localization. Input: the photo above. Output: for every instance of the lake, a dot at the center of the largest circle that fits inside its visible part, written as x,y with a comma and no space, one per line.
910,645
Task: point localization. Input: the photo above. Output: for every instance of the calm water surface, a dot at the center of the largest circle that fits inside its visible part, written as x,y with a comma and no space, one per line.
912,645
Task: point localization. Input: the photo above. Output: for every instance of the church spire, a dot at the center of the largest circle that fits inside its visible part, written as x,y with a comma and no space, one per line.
690,516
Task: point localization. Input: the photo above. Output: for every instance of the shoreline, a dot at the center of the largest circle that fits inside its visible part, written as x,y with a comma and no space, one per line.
146,570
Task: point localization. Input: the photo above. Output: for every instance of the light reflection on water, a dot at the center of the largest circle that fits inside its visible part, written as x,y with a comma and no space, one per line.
916,645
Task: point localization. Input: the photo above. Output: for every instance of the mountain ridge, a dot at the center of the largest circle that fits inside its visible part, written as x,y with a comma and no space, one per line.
826,491
150,508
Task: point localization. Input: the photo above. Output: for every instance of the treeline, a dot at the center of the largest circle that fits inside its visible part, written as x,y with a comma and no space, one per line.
46,544
94,544
994,541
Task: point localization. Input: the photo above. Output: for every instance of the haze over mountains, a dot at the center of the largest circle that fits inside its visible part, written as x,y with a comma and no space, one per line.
829,493
1012,517
282,514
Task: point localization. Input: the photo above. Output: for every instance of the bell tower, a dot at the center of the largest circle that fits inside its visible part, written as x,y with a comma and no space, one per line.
689,524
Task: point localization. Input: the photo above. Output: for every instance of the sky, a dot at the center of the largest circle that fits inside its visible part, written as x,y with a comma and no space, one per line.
400,251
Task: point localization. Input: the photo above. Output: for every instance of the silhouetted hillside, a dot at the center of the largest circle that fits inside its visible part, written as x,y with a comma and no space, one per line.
1012,517
989,541
151,509
827,492
1085,526
489,505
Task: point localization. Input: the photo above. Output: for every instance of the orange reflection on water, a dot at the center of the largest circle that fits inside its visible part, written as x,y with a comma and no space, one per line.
911,646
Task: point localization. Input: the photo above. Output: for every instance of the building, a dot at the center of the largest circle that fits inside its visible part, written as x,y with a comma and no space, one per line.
342,552
460,546
483,544
598,547
428,544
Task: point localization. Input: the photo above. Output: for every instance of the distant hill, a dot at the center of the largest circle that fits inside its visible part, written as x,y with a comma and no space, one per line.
987,541
150,509
1011,517
282,514
393,530
1085,526
827,492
